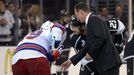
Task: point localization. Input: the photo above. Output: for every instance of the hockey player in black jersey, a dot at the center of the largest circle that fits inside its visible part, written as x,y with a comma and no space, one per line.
117,29
78,41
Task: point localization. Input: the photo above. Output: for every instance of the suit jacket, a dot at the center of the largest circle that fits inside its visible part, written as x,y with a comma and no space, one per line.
99,45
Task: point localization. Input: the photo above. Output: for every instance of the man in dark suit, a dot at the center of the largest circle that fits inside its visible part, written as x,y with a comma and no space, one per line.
98,44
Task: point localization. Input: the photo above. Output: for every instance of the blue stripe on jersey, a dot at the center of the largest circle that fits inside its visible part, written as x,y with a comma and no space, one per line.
35,47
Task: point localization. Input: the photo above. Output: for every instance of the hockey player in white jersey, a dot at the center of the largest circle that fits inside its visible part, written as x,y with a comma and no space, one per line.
37,49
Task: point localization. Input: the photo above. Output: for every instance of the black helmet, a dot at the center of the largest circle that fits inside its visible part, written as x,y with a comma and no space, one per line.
75,21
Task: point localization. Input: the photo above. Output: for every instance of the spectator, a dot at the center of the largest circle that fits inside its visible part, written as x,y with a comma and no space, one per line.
17,26
6,23
14,31
37,15
119,14
27,20
104,14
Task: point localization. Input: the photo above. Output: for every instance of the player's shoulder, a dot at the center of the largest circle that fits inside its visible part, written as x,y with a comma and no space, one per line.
58,25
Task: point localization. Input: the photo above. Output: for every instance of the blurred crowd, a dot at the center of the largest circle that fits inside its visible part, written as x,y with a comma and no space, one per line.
16,22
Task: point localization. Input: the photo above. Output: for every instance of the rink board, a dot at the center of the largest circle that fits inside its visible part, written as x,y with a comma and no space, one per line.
6,53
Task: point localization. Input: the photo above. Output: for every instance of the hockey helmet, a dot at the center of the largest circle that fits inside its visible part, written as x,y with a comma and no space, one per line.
75,21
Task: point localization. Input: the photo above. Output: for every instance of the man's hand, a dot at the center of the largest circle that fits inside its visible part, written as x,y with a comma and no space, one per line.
88,57
65,65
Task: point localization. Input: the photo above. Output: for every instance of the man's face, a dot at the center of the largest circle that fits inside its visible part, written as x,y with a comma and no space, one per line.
80,15
119,9
11,7
104,12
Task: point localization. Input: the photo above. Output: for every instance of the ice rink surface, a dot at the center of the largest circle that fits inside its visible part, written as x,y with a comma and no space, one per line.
74,70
